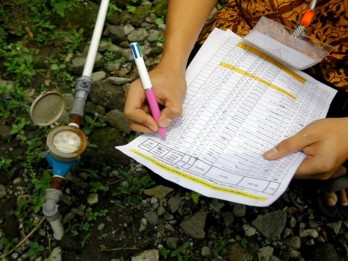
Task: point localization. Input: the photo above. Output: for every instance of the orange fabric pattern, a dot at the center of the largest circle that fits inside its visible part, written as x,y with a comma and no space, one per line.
330,25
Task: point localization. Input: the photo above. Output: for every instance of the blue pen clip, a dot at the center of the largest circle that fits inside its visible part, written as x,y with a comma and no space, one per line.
136,50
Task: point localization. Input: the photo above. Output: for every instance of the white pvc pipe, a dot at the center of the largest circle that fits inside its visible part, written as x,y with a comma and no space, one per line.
50,210
57,227
98,29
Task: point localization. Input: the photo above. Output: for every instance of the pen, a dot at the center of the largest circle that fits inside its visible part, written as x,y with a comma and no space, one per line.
147,85
306,20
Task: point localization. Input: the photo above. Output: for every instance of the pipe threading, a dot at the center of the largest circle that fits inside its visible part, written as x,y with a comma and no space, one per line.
75,118
57,182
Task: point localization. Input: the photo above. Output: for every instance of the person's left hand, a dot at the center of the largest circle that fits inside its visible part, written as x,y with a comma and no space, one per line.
325,142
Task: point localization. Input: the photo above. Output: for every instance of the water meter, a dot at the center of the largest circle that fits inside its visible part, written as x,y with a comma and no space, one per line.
65,143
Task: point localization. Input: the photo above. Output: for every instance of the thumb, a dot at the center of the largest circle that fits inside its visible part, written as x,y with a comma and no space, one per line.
290,145
168,114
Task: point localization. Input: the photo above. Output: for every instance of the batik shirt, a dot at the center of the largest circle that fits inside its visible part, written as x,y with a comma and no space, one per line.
330,25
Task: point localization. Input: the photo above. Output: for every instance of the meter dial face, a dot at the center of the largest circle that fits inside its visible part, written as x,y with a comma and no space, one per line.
67,141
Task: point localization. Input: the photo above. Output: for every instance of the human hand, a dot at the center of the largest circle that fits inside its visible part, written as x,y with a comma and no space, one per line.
169,86
325,142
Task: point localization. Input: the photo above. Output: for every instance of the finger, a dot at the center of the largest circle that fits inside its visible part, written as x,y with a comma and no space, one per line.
140,127
135,109
135,97
293,144
169,113
331,198
139,117
310,169
167,116
343,197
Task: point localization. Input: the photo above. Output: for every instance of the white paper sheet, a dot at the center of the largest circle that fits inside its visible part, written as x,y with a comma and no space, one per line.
237,106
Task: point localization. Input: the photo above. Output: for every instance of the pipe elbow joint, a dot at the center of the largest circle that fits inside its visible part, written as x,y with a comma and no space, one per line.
50,207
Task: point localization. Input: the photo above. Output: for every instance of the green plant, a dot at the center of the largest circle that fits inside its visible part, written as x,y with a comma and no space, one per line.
82,228
12,101
220,248
19,126
195,196
60,7
35,249
132,9
33,204
180,253
39,16
242,241
109,56
77,228
60,73
102,247
160,39
94,215
40,186
74,39
112,9
93,122
19,62
8,244
132,186
96,186
159,21
21,211
34,149
5,163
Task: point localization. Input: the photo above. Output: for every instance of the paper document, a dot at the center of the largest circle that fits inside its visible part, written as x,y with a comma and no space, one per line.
239,103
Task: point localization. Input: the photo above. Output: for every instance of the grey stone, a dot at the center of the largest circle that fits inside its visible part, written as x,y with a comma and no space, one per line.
56,254
265,253
98,76
174,203
158,191
3,191
271,224
152,217
294,242
325,252
194,225
116,33
239,210
116,119
107,95
119,80
138,35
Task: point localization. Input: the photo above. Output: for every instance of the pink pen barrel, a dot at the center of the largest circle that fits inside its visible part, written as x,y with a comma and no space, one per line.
155,111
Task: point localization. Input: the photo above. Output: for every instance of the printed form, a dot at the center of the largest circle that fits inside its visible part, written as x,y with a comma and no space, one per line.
239,103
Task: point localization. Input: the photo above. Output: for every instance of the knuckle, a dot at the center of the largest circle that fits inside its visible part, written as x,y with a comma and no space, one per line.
127,113
286,145
176,111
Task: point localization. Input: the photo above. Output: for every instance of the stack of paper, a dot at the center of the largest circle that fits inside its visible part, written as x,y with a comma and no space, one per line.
239,104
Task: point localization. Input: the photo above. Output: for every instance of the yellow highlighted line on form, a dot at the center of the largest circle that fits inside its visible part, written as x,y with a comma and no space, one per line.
270,59
254,77
196,180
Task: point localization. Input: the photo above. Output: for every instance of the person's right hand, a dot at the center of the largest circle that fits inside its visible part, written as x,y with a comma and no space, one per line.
169,86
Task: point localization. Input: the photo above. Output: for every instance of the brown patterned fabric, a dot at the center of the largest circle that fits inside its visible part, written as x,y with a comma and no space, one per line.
330,26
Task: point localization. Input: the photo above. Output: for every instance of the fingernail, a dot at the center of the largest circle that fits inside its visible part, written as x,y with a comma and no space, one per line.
331,202
270,152
153,127
344,204
165,122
